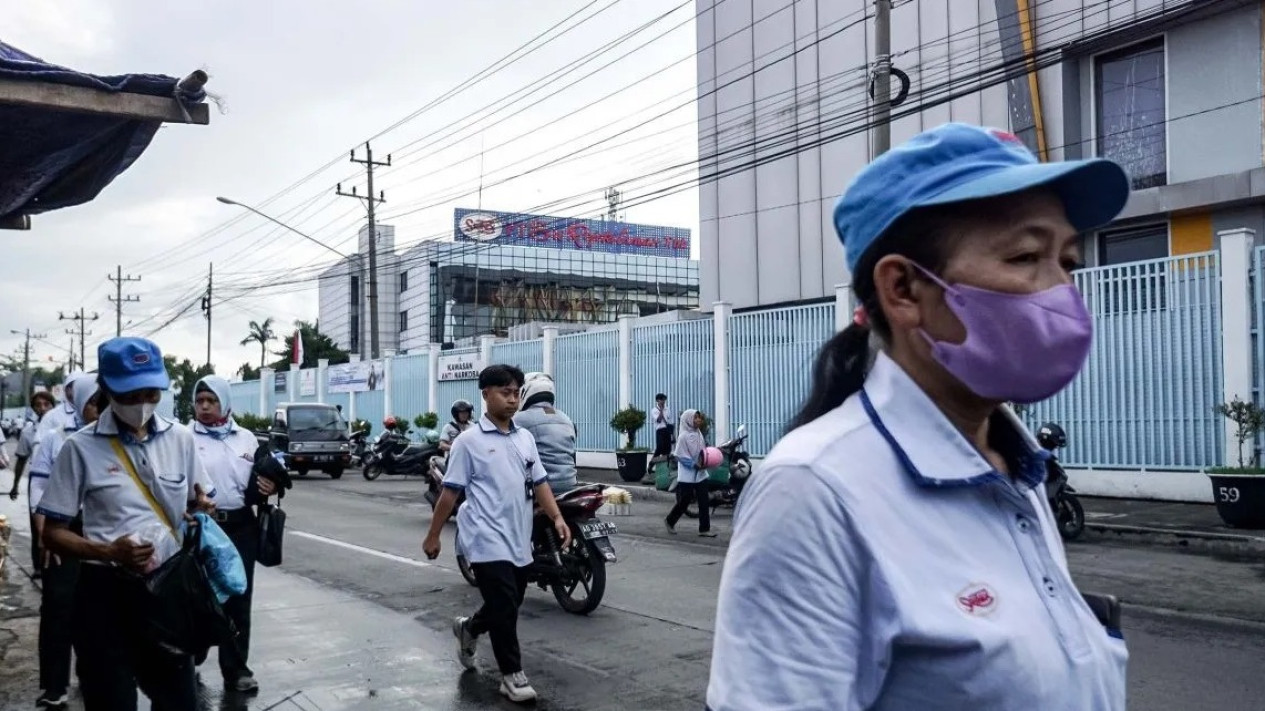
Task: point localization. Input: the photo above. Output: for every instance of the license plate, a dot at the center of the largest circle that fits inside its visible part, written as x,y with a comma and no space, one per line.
597,529
323,458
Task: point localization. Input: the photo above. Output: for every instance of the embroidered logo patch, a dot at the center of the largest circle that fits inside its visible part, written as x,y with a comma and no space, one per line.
977,599
112,469
1005,136
140,358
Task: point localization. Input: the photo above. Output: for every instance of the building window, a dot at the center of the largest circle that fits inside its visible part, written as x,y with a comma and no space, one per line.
403,281
1134,272
1132,244
403,321
1131,107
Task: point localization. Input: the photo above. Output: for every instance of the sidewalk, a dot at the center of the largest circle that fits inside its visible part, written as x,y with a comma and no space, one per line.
312,647
1195,526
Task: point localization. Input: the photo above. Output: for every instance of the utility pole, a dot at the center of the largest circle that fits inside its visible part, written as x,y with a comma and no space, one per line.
370,201
83,320
882,92
206,309
70,366
26,363
613,197
118,300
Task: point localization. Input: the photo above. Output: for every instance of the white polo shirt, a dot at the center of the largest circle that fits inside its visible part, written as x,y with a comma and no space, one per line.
41,464
228,460
494,468
89,476
878,561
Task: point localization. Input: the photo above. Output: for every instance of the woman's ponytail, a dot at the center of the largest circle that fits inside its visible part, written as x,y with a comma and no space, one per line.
838,373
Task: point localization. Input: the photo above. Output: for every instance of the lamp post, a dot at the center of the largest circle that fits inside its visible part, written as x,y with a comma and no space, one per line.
360,341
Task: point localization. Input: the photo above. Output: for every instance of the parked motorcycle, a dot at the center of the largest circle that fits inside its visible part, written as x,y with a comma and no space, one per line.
725,492
576,574
435,470
359,447
393,453
1069,515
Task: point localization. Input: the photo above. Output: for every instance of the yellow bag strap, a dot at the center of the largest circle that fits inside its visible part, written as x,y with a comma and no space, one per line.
149,495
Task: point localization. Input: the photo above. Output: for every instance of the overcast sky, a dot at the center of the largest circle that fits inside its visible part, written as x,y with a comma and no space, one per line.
302,83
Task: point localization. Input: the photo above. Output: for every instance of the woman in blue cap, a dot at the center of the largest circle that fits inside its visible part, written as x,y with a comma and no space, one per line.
133,475
895,551
228,453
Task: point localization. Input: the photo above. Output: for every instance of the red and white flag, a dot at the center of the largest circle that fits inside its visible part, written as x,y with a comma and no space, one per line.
296,350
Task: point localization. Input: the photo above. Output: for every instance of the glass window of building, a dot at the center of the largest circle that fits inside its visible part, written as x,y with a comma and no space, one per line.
1131,111
403,321
1132,244
403,281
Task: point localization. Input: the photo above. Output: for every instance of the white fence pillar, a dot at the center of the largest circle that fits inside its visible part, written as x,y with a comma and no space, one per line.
351,408
549,353
432,378
322,372
265,382
625,362
292,383
843,306
485,353
387,400
1236,325
720,418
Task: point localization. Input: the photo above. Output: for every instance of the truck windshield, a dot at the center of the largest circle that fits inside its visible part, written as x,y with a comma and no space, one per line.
315,418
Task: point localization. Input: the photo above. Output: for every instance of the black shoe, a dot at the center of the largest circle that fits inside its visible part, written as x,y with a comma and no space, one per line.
50,701
244,684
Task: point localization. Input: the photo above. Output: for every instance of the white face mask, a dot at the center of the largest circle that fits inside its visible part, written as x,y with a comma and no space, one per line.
137,416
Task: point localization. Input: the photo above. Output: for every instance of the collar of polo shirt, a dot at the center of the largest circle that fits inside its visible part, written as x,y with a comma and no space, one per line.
487,425
931,449
107,427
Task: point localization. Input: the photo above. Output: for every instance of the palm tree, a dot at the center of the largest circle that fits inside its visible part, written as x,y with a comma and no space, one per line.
261,333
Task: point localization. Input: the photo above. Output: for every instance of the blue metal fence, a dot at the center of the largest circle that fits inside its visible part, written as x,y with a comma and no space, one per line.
1257,276
245,397
588,385
452,390
527,355
1147,395
770,365
410,384
678,360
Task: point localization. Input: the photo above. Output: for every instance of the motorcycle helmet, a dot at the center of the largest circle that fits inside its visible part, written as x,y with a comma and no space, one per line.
710,458
537,387
389,423
1051,436
462,406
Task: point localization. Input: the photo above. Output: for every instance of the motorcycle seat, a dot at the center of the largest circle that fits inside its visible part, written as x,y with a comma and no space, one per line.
580,491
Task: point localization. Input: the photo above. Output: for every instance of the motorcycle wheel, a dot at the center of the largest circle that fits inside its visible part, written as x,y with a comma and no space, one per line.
373,471
1071,518
583,558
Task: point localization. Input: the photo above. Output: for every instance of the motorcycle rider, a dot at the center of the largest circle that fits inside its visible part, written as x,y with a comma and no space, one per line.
462,412
554,431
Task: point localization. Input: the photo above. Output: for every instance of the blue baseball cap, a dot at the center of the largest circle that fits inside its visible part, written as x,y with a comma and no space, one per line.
129,364
957,162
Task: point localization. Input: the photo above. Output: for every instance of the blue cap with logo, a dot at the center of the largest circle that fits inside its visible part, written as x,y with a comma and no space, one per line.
129,364
957,162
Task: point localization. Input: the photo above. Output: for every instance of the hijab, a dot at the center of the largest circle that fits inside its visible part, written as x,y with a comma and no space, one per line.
85,388
689,441
223,392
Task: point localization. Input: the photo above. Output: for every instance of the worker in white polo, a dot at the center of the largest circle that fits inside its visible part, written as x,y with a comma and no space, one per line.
134,475
896,551
227,452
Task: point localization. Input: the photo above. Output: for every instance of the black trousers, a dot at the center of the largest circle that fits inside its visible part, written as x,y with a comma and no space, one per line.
113,655
37,550
57,609
699,493
663,441
243,530
503,585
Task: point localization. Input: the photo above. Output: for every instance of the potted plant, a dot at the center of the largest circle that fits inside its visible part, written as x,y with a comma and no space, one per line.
631,459
1240,491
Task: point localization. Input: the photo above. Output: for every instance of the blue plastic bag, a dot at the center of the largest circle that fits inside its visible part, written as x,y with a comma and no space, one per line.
220,559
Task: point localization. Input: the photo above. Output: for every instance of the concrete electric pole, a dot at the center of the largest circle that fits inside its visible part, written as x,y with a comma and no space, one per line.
206,309
119,299
83,320
370,202
882,84
26,363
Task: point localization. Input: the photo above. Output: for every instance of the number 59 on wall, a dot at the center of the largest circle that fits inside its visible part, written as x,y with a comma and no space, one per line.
1228,494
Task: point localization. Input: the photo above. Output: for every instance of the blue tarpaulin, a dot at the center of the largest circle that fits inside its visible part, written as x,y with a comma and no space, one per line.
51,157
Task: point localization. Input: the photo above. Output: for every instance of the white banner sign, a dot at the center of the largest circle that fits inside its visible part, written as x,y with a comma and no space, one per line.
466,366
356,377
307,382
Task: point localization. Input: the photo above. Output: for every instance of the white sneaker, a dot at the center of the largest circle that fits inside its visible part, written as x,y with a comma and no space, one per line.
467,644
516,688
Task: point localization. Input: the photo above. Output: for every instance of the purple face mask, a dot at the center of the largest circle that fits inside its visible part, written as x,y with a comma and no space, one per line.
1019,347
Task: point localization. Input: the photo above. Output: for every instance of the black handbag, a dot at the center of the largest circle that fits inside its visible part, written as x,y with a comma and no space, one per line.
182,614
272,526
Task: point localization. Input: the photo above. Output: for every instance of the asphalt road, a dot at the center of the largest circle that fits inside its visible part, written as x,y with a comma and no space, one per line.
357,618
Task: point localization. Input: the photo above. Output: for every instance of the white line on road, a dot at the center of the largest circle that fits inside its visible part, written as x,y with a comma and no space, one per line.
368,551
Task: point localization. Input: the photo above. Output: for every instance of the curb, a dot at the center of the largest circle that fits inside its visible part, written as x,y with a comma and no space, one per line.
1231,543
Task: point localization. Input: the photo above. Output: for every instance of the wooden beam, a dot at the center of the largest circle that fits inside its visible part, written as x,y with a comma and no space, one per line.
47,95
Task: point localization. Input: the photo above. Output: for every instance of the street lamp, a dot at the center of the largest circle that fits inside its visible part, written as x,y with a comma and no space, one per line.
360,341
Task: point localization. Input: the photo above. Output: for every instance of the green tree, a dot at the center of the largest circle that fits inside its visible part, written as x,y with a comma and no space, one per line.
316,346
184,378
262,334
248,372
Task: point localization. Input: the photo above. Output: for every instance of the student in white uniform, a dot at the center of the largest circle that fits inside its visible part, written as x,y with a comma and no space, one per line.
60,575
896,551
44,407
133,474
227,452
497,466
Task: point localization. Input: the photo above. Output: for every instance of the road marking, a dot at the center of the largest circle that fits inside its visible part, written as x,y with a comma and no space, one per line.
368,551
